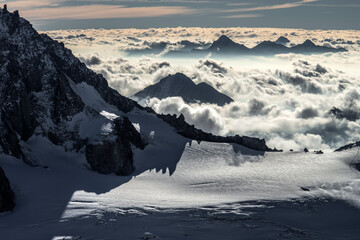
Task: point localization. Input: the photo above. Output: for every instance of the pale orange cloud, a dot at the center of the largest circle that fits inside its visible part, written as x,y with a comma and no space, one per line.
22,4
94,11
271,7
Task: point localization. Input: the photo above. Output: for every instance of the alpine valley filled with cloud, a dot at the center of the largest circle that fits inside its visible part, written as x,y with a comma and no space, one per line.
118,123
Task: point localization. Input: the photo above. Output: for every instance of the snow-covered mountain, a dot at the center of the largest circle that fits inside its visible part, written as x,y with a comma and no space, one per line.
179,85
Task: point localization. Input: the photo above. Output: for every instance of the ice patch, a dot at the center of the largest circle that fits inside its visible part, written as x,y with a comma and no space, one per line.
108,115
136,126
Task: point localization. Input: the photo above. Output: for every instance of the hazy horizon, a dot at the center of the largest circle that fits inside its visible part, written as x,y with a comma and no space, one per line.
118,14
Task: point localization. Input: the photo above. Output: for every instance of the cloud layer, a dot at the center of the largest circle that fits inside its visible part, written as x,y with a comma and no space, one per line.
285,99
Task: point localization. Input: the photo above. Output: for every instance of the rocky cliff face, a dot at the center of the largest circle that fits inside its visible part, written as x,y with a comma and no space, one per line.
7,202
44,90
109,157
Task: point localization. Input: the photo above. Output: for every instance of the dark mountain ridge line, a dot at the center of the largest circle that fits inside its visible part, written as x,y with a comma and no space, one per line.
348,146
224,45
189,131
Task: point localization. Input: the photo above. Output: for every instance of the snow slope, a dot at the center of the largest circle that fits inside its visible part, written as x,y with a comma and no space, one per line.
173,175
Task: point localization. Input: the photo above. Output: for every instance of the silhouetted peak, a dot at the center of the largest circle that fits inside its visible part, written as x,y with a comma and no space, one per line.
224,40
309,43
180,75
179,85
177,77
282,40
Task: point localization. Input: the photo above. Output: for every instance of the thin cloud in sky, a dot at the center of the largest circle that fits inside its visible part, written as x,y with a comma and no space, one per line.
271,7
58,14
103,12
30,4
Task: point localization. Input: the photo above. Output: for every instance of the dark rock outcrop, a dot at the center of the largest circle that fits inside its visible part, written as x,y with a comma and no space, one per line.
348,146
348,114
116,156
7,196
189,131
179,85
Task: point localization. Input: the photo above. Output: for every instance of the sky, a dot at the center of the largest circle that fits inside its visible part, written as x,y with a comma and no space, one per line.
112,14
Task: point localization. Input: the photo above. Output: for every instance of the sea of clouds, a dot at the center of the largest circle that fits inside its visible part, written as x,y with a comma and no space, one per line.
285,99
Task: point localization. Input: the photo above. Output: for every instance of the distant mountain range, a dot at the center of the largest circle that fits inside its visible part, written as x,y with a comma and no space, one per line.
225,46
179,85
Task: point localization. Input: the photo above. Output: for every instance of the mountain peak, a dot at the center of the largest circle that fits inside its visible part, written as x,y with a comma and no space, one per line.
179,85
224,41
282,40
177,78
308,43
224,38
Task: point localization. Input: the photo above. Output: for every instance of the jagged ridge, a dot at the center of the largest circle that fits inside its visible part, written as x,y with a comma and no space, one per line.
189,131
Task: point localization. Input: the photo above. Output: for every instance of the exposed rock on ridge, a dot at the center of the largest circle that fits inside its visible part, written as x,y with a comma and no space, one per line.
189,131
